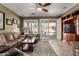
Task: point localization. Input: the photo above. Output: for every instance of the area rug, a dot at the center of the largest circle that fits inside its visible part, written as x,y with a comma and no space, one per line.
42,48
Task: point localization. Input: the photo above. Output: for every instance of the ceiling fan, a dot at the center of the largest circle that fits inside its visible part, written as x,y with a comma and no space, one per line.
41,6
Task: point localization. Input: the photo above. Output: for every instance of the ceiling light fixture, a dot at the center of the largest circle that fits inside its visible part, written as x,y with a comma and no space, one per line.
39,9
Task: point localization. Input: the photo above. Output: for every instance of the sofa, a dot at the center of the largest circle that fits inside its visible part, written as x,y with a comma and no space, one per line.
9,40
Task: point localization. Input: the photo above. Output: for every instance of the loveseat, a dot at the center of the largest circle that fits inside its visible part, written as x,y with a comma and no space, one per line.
9,40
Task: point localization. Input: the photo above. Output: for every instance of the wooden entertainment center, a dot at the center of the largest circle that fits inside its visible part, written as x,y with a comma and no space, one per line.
70,27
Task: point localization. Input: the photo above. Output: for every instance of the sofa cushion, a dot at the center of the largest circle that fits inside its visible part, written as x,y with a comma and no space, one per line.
14,42
11,43
9,37
16,35
2,40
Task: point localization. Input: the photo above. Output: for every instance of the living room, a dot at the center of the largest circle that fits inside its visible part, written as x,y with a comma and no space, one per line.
36,29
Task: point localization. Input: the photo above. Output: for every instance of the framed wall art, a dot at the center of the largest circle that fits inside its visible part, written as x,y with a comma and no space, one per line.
9,22
2,20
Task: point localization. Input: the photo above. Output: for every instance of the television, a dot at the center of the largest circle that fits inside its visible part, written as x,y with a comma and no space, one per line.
69,28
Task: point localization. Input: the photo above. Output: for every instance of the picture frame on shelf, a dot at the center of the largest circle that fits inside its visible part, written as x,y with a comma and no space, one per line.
9,22
2,20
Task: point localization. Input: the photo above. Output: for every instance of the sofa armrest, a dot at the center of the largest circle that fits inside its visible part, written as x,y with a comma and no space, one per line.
22,35
4,48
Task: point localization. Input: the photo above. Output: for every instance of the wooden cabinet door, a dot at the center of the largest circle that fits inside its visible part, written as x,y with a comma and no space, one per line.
71,37
65,36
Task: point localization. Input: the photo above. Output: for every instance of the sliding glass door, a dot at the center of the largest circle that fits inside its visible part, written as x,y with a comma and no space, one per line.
44,33
31,26
45,27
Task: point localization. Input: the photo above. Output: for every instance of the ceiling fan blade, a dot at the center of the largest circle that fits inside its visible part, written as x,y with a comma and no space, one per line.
46,4
40,4
45,10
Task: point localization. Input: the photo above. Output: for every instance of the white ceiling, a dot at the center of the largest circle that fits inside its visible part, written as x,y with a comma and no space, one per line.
29,9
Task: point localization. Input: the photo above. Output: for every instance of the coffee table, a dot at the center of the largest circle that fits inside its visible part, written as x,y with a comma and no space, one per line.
30,43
